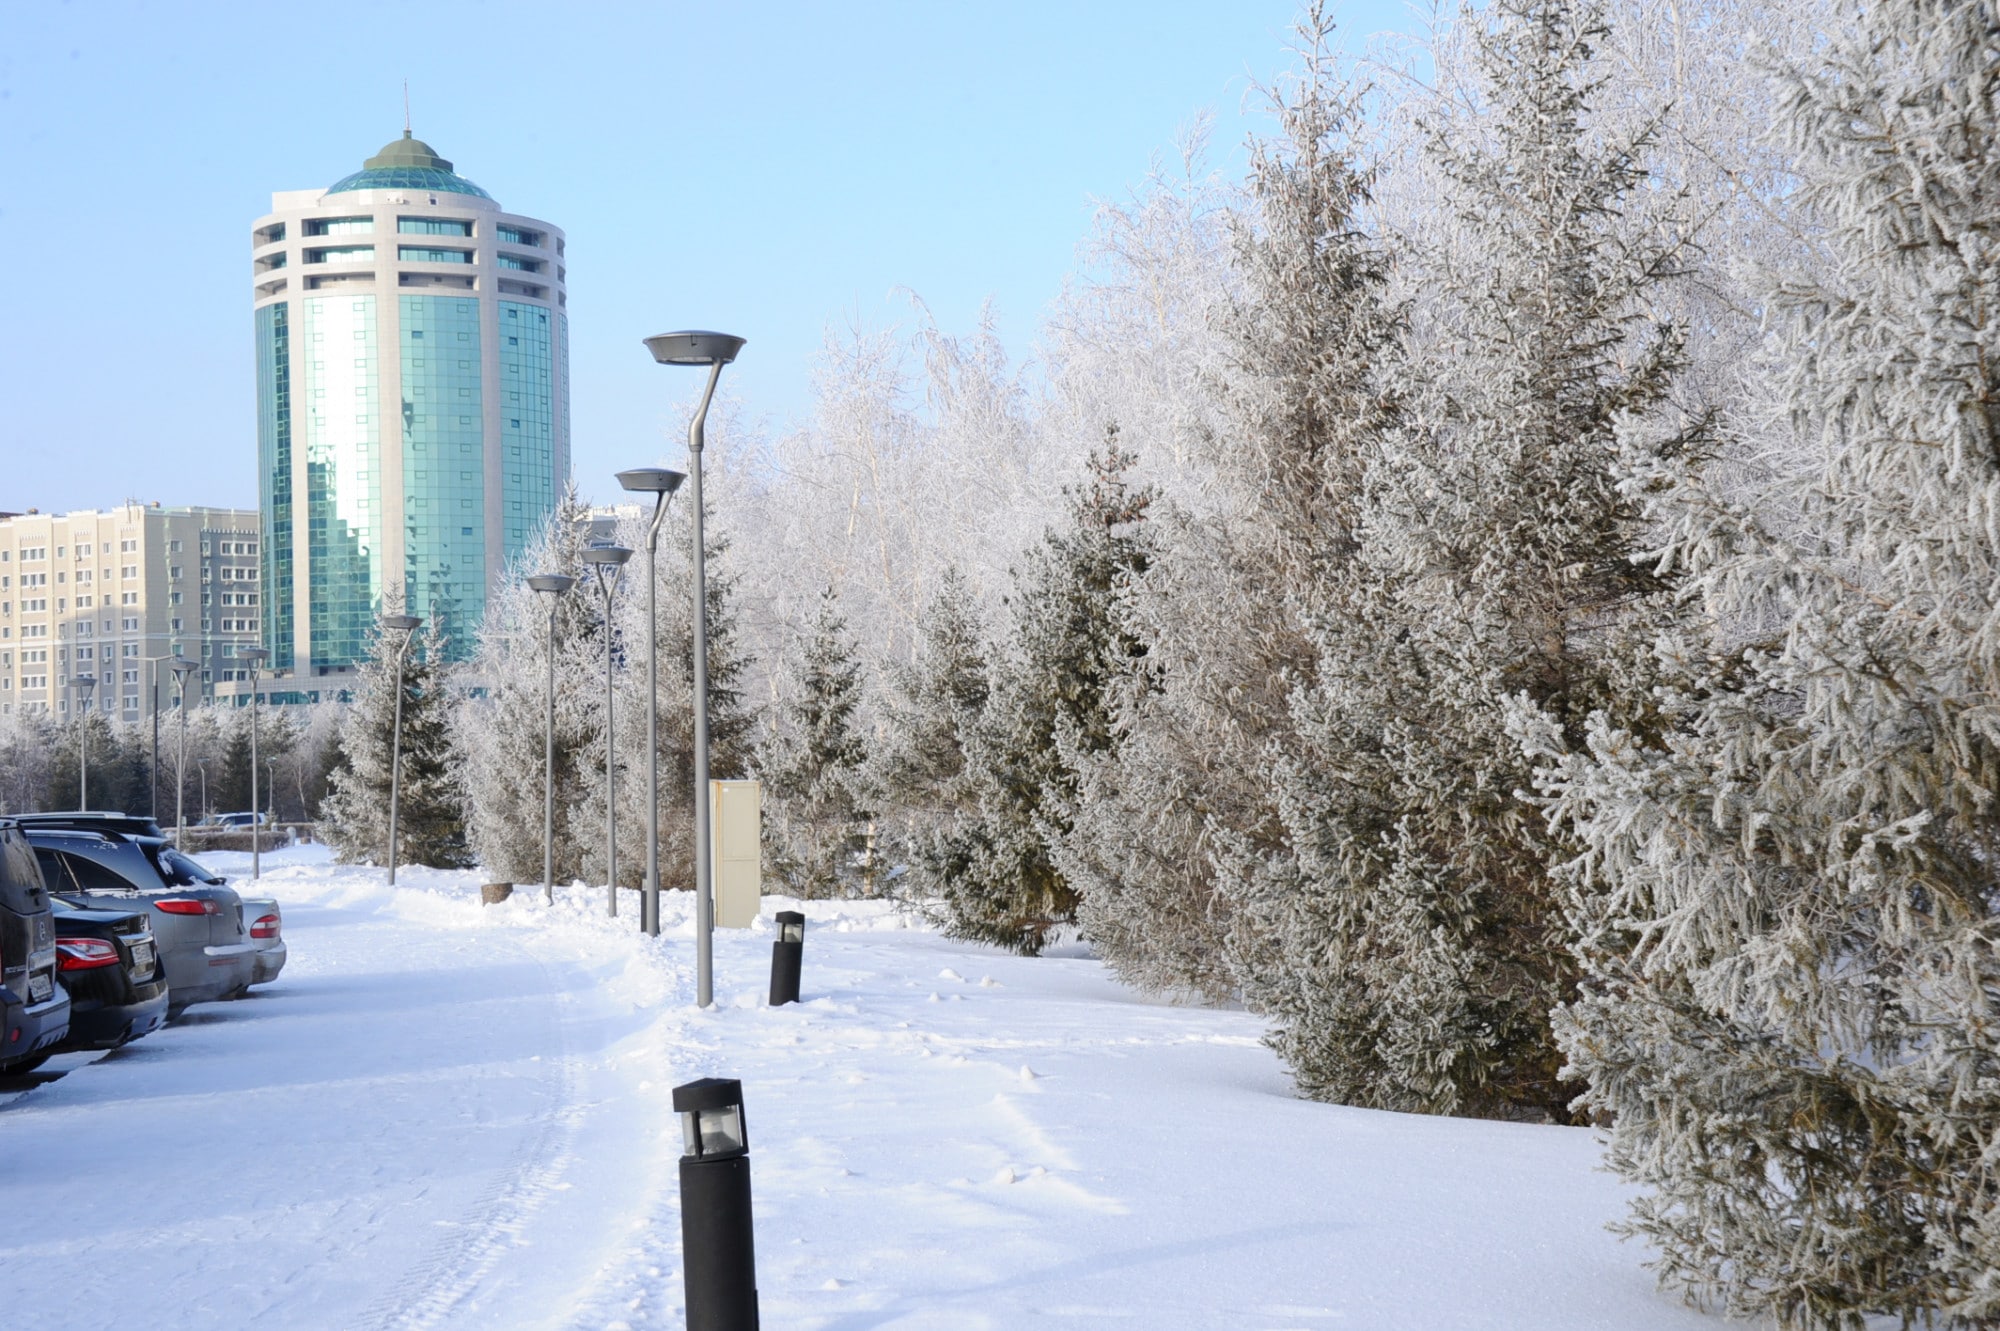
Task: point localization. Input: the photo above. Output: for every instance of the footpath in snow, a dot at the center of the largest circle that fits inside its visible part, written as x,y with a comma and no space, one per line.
448,1115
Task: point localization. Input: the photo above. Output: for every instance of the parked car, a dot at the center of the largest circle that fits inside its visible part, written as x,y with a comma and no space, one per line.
109,962
266,922
245,819
34,1007
204,942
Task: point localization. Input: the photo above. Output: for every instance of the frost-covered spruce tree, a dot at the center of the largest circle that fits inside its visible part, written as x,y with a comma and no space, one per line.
354,818
1409,938
819,805
1220,609
933,705
991,869
500,733
1788,899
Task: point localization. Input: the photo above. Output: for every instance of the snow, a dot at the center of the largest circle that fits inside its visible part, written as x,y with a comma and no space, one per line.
444,1115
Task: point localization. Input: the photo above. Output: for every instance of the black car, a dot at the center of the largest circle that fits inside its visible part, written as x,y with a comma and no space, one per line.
110,964
34,1008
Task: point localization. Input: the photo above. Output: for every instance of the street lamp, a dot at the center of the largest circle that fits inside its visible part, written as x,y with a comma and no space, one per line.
406,625
605,562
87,682
718,1247
256,656
202,763
555,585
661,484
714,350
182,668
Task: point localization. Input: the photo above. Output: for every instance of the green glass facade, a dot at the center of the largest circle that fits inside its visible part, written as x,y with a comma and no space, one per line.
527,422
343,475
444,480
274,472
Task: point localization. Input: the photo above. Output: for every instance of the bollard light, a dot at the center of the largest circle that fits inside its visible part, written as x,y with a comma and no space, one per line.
787,952
718,1248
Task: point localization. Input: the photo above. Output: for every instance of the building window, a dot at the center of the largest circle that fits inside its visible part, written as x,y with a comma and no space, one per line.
433,226
518,264
337,226
423,254
341,254
515,235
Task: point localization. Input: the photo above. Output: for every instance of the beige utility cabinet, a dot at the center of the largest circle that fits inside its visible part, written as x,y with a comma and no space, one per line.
736,813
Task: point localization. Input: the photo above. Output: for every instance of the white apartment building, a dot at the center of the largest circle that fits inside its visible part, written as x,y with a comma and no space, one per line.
113,594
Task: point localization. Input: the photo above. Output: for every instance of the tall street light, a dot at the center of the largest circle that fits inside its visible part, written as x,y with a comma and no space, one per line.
555,586
182,668
714,350
256,656
406,625
605,561
661,484
87,682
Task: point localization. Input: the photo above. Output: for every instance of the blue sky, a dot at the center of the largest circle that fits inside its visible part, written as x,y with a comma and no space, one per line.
769,170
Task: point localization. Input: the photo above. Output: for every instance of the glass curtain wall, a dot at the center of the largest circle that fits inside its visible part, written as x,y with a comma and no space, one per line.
274,472
527,422
444,480
343,475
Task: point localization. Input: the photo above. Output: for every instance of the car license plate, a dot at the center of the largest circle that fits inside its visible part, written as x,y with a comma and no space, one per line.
142,957
39,988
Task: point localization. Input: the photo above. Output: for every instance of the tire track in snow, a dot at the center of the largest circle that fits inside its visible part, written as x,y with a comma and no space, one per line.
433,1290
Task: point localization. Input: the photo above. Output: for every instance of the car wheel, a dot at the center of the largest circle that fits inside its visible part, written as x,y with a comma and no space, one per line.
28,1064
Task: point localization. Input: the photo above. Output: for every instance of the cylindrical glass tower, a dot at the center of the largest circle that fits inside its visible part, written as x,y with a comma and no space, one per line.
412,401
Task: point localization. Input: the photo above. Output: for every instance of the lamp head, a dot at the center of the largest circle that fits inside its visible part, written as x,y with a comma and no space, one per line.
791,926
652,480
558,583
694,348
711,1111
256,656
402,623
181,667
602,555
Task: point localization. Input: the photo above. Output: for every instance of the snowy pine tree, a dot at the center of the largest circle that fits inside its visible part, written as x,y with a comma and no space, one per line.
992,869
1787,895
818,798
934,704
1409,938
354,819
1220,608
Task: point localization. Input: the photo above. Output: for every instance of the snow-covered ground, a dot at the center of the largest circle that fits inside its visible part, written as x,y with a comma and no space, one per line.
455,1116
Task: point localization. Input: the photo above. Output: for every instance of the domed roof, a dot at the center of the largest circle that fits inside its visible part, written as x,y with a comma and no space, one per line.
407,163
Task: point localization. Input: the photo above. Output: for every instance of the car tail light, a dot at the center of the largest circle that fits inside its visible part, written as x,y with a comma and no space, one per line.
265,927
83,954
187,906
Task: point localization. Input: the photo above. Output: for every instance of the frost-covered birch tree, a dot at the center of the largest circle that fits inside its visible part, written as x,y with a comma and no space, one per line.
1786,895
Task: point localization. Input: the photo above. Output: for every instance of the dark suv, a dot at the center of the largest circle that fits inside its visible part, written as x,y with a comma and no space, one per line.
34,1008
204,943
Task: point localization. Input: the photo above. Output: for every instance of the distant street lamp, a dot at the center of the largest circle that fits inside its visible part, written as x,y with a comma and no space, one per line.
202,763
714,350
87,682
182,668
406,625
256,656
661,484
271,787
605,562
555,586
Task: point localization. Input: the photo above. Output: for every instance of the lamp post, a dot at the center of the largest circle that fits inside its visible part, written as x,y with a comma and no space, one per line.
256,656
555,586
406,625
182,668
718,1248
714,350
661,484
605,561
271,788
202,763
87,682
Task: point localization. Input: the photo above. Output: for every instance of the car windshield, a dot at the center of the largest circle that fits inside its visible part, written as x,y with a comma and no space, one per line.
182,871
